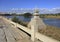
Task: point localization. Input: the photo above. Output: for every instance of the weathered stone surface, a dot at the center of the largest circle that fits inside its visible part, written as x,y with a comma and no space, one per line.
2,36
9,33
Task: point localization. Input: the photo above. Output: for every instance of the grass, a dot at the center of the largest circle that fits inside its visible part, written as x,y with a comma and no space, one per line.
51,31
58,17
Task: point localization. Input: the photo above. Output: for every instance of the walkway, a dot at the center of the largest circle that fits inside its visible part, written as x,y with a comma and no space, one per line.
8,33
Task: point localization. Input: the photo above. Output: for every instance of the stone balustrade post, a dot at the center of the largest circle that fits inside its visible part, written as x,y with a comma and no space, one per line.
34,24
34,28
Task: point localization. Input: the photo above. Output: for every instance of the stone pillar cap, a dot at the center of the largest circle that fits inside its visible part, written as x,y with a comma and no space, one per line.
36,12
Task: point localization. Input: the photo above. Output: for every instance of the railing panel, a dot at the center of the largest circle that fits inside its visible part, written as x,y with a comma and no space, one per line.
24,28
18,25
44,38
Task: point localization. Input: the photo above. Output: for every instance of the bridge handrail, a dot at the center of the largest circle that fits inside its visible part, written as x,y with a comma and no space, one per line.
18,25
45,38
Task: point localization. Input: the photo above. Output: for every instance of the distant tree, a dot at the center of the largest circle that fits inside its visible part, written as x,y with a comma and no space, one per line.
58,13
13,14
27,15
6,14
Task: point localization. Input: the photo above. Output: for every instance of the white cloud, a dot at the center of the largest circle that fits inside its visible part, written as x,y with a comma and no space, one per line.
53,10
42,10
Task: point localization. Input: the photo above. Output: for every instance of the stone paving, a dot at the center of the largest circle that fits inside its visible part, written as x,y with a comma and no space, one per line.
8,33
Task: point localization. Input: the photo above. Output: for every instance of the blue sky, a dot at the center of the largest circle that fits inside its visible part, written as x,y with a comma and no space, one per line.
6,5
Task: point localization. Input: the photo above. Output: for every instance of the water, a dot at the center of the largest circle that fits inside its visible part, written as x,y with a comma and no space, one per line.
48,21
52,22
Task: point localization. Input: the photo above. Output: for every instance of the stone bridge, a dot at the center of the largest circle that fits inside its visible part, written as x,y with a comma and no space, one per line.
10,33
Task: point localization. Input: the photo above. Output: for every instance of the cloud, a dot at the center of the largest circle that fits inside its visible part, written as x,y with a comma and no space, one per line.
42,10
46,11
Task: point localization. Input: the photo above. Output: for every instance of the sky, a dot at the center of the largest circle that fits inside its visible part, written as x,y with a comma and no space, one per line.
46,6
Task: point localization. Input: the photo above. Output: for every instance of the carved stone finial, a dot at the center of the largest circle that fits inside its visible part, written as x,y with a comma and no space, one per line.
36,10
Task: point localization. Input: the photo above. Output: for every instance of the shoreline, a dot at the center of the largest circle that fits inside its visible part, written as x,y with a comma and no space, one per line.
58,17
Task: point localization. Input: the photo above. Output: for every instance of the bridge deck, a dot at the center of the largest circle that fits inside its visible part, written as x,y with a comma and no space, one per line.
8,33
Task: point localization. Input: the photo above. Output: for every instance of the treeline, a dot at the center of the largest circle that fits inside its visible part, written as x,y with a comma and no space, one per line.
30,14
51,14
14,14
5,14
45,15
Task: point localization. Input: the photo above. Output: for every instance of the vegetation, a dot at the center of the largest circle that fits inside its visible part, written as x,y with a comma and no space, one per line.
17,20
27,15
5,14
51,31
57,15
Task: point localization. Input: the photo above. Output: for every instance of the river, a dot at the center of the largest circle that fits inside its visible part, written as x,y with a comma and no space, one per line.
48,21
